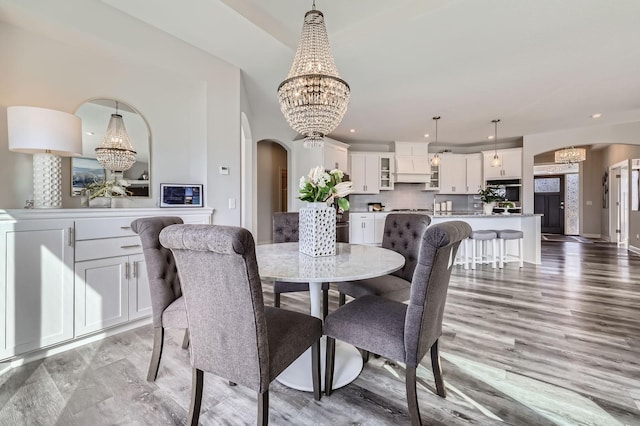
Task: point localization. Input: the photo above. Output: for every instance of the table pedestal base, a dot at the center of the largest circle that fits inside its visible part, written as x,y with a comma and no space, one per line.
348,365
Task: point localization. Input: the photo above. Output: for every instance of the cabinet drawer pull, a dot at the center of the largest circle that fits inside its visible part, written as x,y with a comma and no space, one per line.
130,246
125,227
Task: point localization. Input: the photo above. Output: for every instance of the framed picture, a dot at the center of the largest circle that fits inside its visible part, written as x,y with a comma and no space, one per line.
83,172
181,195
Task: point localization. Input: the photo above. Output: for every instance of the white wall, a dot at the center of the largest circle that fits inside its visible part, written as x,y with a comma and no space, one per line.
191,100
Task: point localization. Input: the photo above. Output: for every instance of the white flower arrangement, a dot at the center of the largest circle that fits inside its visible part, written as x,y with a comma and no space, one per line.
323,186
108,188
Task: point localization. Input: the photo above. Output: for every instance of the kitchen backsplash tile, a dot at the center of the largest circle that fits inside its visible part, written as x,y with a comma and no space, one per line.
407,196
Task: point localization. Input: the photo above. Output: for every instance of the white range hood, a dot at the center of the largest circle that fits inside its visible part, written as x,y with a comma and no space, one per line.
412,162
413,169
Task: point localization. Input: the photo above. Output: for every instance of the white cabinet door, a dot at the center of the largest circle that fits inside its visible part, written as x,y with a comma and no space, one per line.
335,157
510,167
474,173
362,228
379,221
387,167
139,294
101,294
365,173
36,297
512,164
453,174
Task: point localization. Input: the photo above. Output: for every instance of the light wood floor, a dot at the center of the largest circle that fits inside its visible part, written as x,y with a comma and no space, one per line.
557,343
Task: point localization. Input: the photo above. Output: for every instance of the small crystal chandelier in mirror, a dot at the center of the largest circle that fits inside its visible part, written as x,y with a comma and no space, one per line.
495,161
313,98
570,155
435,160
115,153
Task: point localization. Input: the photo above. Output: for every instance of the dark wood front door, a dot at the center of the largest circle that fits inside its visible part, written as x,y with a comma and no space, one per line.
549,201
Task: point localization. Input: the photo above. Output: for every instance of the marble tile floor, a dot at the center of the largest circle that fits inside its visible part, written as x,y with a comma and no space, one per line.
553,344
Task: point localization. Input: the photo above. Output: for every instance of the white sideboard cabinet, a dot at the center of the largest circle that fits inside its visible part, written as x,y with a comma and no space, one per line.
36,285
67,274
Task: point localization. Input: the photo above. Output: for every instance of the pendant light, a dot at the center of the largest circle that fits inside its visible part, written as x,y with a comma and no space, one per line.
313,98
435,160
115,153
495,161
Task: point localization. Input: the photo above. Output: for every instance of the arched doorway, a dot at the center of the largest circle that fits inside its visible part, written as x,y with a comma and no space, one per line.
272,185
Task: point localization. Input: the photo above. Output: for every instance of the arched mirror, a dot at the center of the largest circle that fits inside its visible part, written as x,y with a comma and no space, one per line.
95,115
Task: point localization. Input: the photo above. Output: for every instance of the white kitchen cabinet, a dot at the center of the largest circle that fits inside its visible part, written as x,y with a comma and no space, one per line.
36,285
364,172
474,173
361,228
453,174
433,184
366,228
412,149
335,156
379,219
511,167
387,168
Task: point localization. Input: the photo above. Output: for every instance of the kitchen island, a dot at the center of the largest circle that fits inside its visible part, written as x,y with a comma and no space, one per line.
529,224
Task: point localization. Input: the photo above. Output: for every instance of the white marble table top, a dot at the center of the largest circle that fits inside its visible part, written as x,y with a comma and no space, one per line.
283,262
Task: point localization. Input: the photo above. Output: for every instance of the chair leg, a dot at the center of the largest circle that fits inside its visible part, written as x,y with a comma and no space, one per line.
158,341
437,371
276,300
341,299
263,408
196,396
412,396
185,339
315,370
325,303
331,355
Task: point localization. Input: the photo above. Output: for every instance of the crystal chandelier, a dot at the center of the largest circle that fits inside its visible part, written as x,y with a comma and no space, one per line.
115,153
571,155
313,98
495,161
435,160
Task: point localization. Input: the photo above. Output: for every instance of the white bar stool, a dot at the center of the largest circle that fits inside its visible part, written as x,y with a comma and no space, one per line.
505,235
478,240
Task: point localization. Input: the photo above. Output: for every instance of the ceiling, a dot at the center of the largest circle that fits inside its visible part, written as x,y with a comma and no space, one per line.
539,66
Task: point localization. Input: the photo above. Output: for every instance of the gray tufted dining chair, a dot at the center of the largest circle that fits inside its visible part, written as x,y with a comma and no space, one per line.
402,234
398,331
167,305
285,230
233,335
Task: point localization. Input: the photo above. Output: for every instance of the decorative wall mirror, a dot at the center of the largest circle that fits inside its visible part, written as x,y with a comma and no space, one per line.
95,115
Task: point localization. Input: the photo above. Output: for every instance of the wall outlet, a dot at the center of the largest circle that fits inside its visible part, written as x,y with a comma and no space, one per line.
232,203
589,203
637,236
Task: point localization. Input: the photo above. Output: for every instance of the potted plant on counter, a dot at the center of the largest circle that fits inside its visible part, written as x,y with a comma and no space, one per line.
489,197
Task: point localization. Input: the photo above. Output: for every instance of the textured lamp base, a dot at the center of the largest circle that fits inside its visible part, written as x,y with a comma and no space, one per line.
47,182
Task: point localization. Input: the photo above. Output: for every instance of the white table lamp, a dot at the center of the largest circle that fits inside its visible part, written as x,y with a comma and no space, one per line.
47,134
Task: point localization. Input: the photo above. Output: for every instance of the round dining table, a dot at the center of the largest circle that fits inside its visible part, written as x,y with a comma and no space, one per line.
284,262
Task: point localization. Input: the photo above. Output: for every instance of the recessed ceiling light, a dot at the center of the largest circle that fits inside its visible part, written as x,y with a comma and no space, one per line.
352,130
426,135
490,137
596,115
89,133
